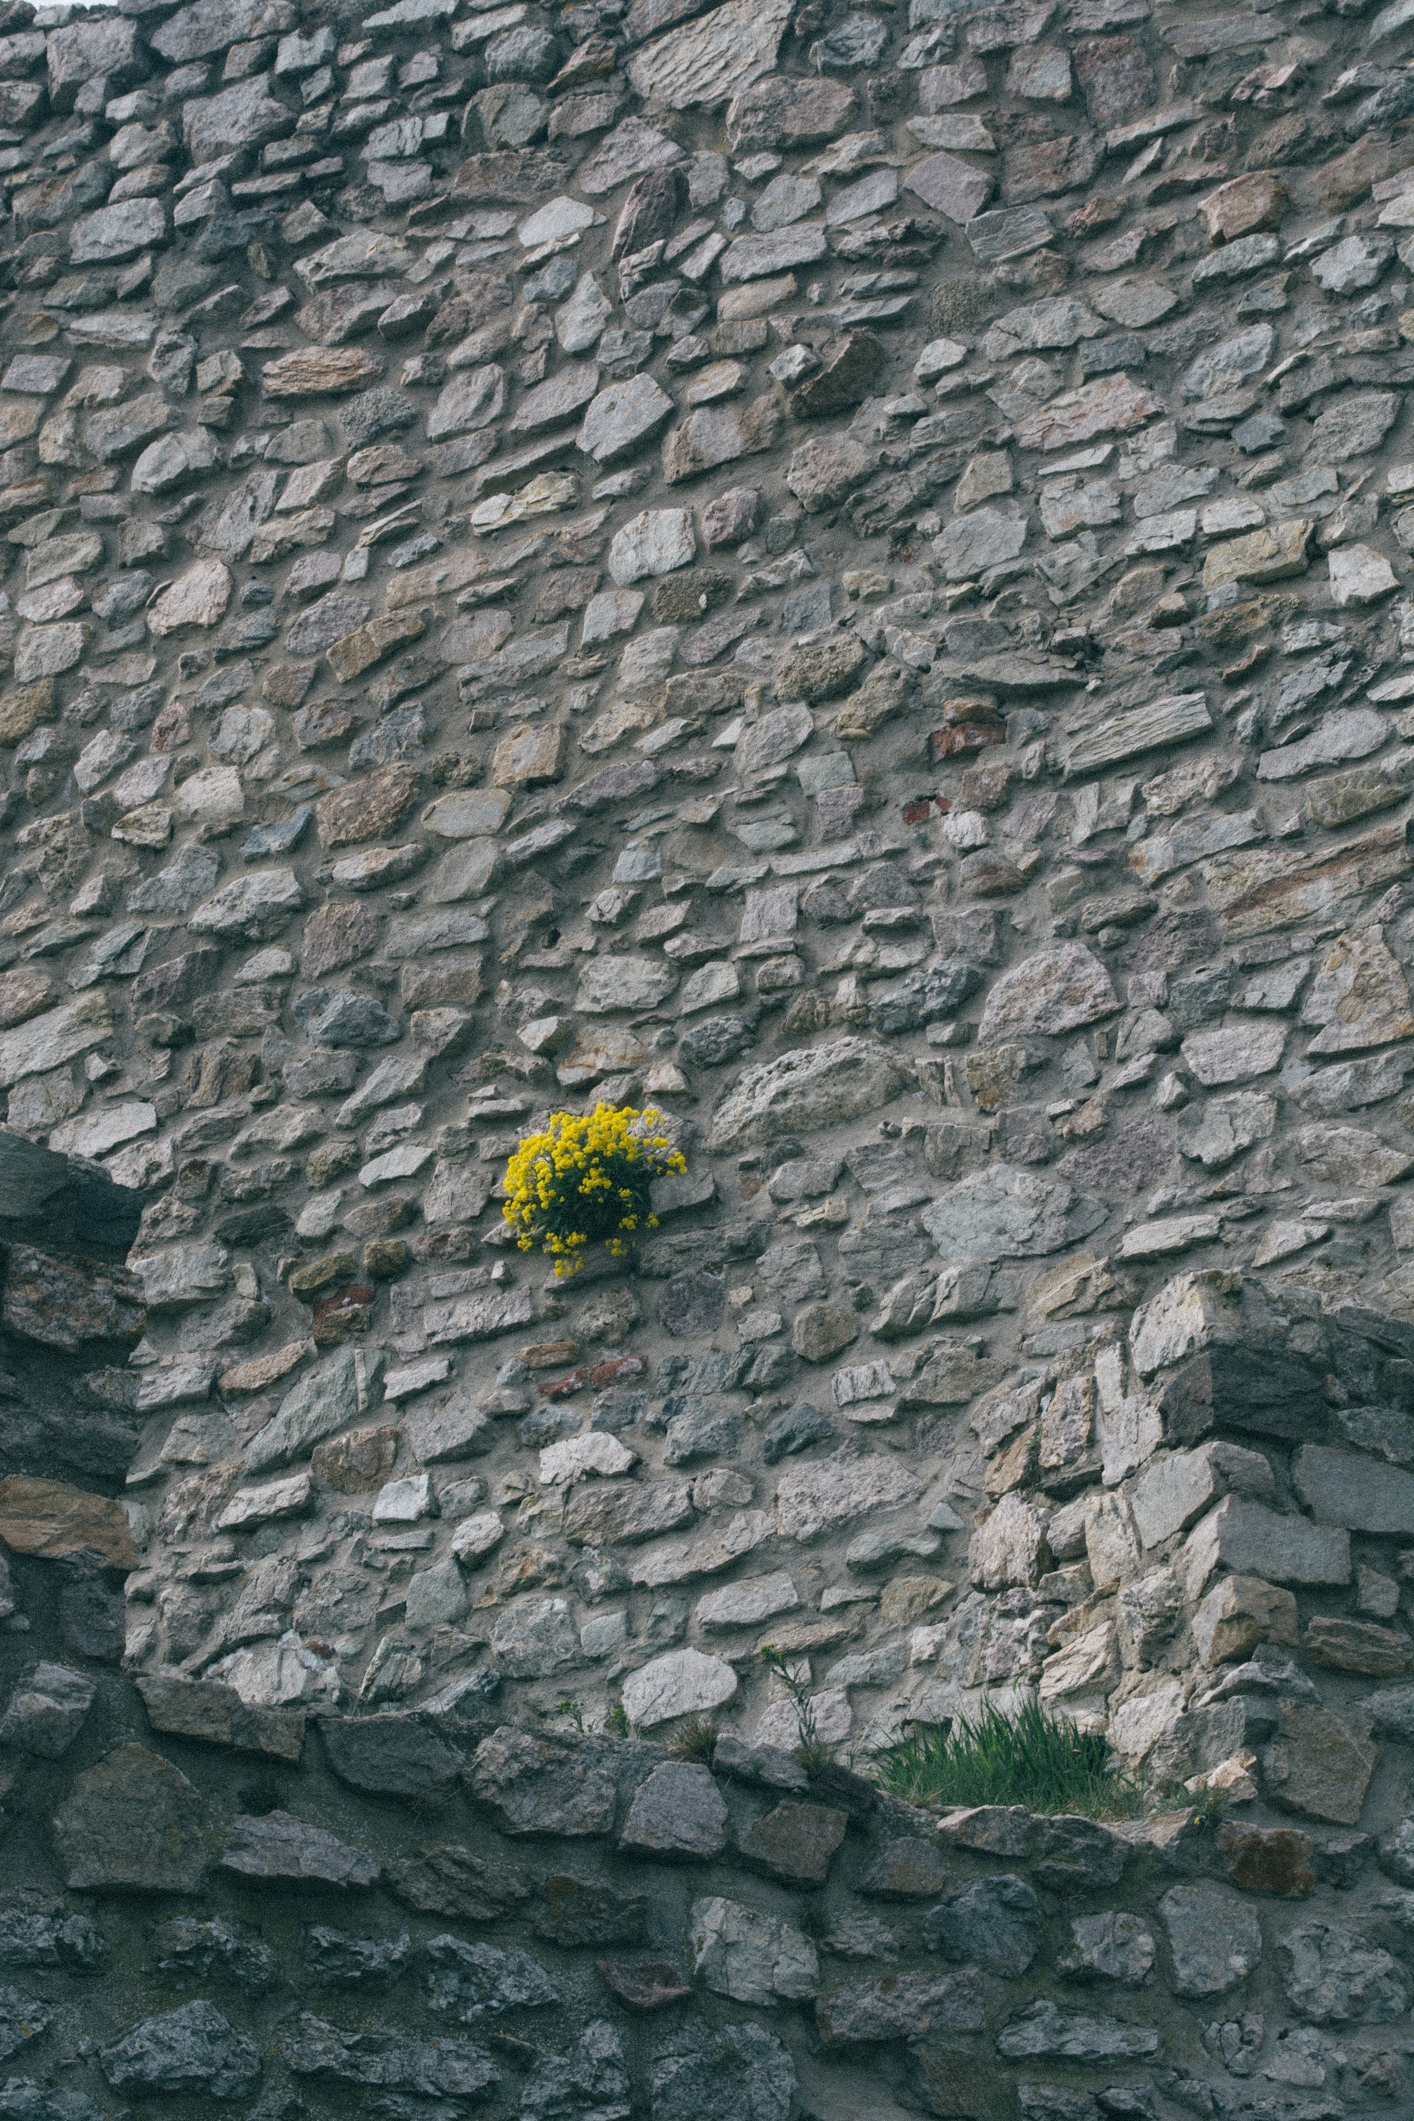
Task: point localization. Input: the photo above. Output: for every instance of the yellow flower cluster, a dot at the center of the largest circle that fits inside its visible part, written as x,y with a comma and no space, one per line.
580,1181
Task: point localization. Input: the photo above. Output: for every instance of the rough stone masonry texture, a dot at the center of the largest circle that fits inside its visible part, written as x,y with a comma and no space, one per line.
843,572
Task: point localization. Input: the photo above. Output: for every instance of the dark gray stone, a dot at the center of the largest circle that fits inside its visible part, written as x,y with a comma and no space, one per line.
588,2084
693,1303
191,2050
62,1203
445,1879
391,2063
47,1934
345,1018
907,1869
1068,1853
337,1961
794,1431
132,1822
375,412
206,1950
995,1923
902,2007
1137,1155
678,1811
477,1981
93,1620
924,998
586,1911
390,1756
23,2019
533,1786
764,1765
721,2073
1043,2029
21,2099
46,1711
715,1041
700,1428
278,1849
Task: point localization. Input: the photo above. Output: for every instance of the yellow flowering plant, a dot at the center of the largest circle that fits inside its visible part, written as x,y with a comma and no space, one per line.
588,1181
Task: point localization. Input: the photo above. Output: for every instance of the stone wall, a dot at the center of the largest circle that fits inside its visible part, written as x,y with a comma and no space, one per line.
844,577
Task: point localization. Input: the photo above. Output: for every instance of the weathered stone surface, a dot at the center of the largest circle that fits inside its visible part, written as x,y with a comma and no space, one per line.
1109,1947
1056,990
132,1823
279,1850
994,1924
1358,995
207,1710
49,1518
621,417
535,1637
1334,1977
833,1491
320,371
816,1088
47,1041
901,2006
1214,1935
66,1303
1004,1213
725,2073
796,1842
1318,1764
729,838
446,1879
1253,1540
703,64
322,1401
753,1958
683,1683
389,2062
677,1813
1353,426
46,1711
1044,2029
192,2049
390,1756
951,186
1342,1488
533,1786
822,472
197,598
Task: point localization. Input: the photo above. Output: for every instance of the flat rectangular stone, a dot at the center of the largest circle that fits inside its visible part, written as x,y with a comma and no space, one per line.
1125,736
291,1497
1343,1488
1010,233
1199,40
1253,1541
1172,1491
478,1317
1260,890
1172,1234
1194,840
215,1714
55,1521
48,1041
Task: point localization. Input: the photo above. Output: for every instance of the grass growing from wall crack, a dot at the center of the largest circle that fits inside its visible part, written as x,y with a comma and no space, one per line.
1028,1758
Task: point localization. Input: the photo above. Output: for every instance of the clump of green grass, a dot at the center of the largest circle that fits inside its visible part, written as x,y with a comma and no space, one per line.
1027,1758
693,1738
